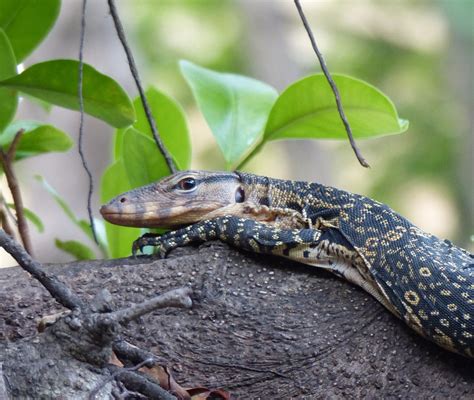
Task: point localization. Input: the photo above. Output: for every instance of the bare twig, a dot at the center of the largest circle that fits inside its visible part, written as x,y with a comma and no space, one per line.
81,123
7,160
134,71
53,285
331,82
173,298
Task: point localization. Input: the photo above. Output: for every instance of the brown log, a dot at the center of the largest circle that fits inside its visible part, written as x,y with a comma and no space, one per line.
260,327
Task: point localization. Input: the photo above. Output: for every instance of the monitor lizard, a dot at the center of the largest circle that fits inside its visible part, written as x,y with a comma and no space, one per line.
425,281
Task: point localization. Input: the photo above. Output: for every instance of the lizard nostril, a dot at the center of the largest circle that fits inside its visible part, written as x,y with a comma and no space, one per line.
123,200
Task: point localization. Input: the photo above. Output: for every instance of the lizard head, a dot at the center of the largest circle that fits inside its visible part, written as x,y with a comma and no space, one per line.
182,198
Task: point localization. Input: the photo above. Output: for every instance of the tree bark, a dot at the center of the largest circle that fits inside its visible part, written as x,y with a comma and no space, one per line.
260,327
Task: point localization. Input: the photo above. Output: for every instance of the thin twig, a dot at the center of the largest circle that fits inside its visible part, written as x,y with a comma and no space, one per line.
134,71
7,216
7,209
130,354
173,298
7,160
81,123
331,82
52,284
141,384
5,222
12,149
115,374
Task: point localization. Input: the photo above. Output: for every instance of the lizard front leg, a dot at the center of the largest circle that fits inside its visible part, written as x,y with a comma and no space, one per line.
243,233
200,232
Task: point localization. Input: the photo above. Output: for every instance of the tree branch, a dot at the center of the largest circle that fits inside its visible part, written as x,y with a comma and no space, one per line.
7,160
60,292
173,298
331,82
134,71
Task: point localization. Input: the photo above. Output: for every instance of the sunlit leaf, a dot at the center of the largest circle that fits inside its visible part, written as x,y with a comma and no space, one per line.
37,138
27,22
99,231
56,81
142,161
101,235
235,107
8,96
171,123
307,110
76,249
119,238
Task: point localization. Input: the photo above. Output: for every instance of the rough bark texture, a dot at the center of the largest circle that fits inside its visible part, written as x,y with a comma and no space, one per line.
260,327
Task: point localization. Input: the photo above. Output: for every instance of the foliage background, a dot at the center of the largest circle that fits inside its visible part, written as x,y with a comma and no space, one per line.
420,53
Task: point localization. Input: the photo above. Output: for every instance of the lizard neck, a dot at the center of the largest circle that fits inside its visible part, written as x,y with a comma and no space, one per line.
277,193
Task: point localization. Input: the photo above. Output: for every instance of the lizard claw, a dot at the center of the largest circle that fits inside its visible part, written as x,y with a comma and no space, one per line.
148,240
138,245
136,248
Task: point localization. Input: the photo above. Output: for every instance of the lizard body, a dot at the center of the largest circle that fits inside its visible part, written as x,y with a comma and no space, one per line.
425,281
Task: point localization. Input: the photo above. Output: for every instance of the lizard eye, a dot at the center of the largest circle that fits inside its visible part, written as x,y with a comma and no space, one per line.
239,195
187,184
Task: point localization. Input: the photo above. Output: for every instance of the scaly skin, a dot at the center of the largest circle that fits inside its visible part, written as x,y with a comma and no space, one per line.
427,282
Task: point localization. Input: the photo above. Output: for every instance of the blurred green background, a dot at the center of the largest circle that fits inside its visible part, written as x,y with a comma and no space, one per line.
418,52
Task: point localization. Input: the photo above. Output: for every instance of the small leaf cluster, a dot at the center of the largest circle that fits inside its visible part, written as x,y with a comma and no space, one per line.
24,24
244,114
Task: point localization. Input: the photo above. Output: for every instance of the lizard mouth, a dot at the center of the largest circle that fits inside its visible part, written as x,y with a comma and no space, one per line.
151,216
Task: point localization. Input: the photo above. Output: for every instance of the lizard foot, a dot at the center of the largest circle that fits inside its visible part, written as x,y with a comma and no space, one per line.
163,243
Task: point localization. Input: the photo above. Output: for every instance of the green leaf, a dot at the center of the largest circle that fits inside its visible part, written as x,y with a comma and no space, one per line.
8,96
27,22
235,107
142,161
119,238
99,231
307,110
37,138
171,122
85,227
101,235
56,82
77,249
80,223
61,202
31,216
